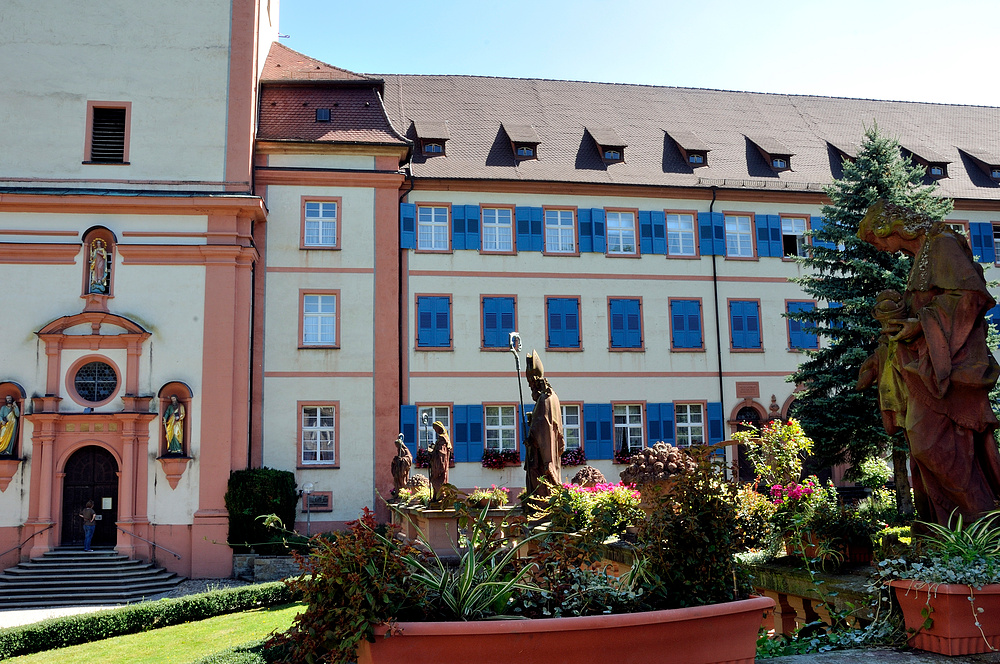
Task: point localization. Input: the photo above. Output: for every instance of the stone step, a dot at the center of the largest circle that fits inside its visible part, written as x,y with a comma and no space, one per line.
10,587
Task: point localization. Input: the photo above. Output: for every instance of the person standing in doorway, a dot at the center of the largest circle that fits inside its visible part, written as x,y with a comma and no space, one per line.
89,517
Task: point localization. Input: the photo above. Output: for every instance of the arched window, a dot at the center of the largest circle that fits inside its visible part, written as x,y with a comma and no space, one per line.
748,416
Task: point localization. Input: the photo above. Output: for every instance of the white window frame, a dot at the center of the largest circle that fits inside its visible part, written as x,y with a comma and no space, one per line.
571,426
689,421
322,437
321,228
426,434
500,427
996,240
795,226
621,233
629,430
498,229
432,228
681,235
560,232
739,236
319,319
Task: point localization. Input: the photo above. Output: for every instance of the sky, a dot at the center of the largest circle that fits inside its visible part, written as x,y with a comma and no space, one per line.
903,50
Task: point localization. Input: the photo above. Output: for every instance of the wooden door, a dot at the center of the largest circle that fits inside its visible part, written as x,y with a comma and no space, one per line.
91,474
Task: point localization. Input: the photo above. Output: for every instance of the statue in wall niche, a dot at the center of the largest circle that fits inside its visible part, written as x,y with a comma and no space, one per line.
9,415
98,267
440,453
401,464
544,442
173,424
933,367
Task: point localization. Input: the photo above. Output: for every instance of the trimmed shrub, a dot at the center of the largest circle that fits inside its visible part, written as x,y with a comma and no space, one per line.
245,653
253,493
73,630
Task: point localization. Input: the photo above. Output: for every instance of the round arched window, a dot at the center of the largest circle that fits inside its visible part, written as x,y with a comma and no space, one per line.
95,381
748,416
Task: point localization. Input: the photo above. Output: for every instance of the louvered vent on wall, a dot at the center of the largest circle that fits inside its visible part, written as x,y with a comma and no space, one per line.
107,142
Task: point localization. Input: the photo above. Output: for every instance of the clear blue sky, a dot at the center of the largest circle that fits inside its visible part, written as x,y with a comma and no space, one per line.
912,50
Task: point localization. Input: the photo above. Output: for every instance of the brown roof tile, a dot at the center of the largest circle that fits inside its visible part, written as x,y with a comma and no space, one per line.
521,133
284,64
606,137
431,129
687,140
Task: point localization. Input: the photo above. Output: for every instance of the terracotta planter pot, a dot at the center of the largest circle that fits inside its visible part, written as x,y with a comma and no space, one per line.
698,635
953,631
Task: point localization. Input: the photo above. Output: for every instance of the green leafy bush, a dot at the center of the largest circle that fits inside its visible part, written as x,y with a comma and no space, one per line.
251,494
776,451
72,630
245,653
872,473
596,512
754,513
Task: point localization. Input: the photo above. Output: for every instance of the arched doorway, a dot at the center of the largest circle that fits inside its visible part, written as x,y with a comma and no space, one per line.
748,418
91,474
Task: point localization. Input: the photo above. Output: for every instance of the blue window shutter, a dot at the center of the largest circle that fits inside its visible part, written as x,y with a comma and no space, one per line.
667,423
993,315
475,419
694,324
457,227
434,321
816,225
706,234
763,235
408,427
633,324
737,325
583,218
472,227
774,227
715,423
443,321
744,322
461,429
981,234
537,229
407,225
616,309
597,216
626,324
719,230
564,322
752,319
685,323
498,321
606,429
659,222
591,440
645,232
797,335
653,433
522,219
660,423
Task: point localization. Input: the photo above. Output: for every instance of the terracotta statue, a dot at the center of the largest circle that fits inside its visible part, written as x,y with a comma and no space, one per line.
173,423
9,415
440,453
544,443
401,466
98,267
933,367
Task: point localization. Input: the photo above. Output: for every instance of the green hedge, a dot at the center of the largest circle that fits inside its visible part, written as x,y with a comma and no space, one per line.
253,493
245,653
73,630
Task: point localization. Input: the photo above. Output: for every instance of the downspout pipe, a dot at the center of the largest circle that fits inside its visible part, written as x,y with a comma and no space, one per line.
718,305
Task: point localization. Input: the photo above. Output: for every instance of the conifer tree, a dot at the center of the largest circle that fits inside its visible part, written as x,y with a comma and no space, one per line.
845,275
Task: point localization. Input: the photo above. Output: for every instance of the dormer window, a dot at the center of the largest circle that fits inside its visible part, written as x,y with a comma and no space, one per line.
431,135
322,115
995,173
776,153
937,171
988,163
779,164
523,141
610,145
935,163
612,155
696,158
693,150
524,151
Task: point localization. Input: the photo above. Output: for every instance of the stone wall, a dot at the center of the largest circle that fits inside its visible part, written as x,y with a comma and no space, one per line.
255,568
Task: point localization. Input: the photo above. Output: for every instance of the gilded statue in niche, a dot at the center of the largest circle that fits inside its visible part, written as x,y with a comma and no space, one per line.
9,415
99,268
173,424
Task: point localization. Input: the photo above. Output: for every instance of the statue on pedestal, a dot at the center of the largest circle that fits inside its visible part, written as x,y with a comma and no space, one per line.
401,464
9,415
544,443
440,453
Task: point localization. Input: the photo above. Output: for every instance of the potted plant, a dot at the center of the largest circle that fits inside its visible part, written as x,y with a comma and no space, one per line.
950,592
495,496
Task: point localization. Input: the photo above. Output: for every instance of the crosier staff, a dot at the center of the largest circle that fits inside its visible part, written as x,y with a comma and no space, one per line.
515,348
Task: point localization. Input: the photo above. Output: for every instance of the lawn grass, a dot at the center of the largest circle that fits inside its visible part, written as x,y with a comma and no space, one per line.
179,644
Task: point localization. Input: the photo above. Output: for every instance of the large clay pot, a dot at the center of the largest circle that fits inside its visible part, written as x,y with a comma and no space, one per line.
953,630
698,635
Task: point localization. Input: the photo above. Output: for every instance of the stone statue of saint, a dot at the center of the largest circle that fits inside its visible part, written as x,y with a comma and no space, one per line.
544,443
401,466
173,424
9,415
933,368
98,267
440,461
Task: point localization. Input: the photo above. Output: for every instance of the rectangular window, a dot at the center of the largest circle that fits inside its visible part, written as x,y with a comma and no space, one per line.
798,338
560,232
107,139
498,230
319,319
432,228
793,239
690,419
680,234
685,324
319,224
501,428
625,318
433,321
571,426
319,434
563,319
433,414
621,233
498,321
628,427
739,236
996,241
744,324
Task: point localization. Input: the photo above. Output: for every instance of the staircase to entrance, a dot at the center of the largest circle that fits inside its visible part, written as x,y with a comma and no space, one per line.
72,577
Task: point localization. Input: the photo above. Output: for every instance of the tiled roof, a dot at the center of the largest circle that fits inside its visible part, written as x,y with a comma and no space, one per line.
816,129
288,113
284,64
688,140
607,137
771,145
521,133
431,130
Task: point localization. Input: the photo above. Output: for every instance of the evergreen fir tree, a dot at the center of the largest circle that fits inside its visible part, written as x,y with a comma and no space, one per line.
845,276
